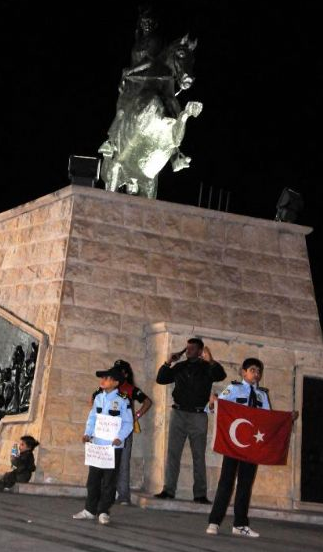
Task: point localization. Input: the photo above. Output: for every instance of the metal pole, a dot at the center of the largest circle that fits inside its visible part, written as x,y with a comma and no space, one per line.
220,200
200,194
210,197
227,203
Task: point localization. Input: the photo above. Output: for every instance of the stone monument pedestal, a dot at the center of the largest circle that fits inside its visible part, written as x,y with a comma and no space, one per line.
107,276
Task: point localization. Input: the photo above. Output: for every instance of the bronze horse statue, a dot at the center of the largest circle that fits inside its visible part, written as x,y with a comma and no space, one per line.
149,125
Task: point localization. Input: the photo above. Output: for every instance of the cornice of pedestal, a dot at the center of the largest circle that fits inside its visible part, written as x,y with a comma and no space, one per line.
157,205
229,336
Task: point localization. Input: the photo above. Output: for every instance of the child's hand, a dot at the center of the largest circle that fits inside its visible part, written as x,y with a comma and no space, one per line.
86,439
212,399
207,355
116,442
295,415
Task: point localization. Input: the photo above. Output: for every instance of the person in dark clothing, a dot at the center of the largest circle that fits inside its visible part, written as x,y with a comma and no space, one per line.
193,380
133,393
23,464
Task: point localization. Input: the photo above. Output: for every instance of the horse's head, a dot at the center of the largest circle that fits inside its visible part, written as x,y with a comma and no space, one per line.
180,59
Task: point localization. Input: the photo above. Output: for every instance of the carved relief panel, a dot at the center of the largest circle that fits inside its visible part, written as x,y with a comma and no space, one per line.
21,349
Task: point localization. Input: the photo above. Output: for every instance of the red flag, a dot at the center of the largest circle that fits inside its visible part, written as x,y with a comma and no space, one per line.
252,434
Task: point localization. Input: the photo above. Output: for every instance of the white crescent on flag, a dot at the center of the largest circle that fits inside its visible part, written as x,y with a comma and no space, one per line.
233,429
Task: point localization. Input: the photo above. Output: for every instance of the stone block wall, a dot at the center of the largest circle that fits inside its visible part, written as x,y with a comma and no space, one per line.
124,263
33,245
285,364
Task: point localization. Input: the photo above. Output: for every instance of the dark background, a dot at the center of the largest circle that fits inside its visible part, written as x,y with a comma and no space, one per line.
258,73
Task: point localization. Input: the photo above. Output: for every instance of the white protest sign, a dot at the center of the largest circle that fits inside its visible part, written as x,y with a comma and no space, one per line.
99,456
107,427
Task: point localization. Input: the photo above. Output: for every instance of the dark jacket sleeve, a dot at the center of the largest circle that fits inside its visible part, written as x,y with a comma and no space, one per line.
217,372
166,374
15,461
138,395
24,462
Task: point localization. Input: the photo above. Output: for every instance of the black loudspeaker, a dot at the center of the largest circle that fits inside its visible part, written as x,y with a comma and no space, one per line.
84,171
289,205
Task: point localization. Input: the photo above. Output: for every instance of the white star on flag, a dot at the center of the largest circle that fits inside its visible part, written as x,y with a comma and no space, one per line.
259,436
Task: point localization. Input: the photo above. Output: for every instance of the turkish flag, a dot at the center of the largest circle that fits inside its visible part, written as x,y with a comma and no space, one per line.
252,434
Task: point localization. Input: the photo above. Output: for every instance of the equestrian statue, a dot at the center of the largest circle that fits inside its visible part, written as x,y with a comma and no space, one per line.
149,124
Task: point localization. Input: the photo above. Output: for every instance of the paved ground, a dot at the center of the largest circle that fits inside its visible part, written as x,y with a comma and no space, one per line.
44,524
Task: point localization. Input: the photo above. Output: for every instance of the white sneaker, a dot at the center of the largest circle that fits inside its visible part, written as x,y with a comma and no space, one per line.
84,514
212,529
244,531
104,519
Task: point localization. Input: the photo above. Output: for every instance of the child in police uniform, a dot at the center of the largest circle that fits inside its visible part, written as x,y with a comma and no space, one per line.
133,393
248,393
101,483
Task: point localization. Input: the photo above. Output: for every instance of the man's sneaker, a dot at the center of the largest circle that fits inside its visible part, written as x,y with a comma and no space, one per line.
84,514
244,531
212,529
104,519
164,494
202,500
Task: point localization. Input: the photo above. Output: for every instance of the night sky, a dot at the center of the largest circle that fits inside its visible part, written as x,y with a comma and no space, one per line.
258,71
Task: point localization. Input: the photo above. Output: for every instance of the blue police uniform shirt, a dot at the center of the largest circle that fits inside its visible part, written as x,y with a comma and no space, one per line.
239,392
111,403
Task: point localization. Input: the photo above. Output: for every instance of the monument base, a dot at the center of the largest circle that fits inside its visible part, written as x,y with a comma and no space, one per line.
104,277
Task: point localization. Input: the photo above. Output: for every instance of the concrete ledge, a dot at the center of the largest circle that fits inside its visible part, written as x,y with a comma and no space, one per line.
295,516
143,500
49,490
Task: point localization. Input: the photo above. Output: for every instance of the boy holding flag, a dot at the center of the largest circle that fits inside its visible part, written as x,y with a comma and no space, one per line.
240,437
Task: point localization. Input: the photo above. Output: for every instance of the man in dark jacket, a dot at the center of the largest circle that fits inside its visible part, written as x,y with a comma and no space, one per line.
193,380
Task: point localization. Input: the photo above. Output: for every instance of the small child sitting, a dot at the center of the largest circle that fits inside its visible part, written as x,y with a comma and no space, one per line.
23,464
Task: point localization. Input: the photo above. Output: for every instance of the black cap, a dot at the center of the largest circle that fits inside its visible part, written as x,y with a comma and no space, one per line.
113,372
122,364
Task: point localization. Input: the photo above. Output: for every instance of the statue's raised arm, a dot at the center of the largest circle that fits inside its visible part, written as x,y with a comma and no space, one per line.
149,125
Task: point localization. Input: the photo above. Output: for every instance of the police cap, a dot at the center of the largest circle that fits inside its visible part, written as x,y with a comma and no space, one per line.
114,373
122,364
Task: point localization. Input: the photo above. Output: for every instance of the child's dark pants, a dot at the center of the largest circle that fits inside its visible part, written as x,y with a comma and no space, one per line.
246,475
101,487
9,479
